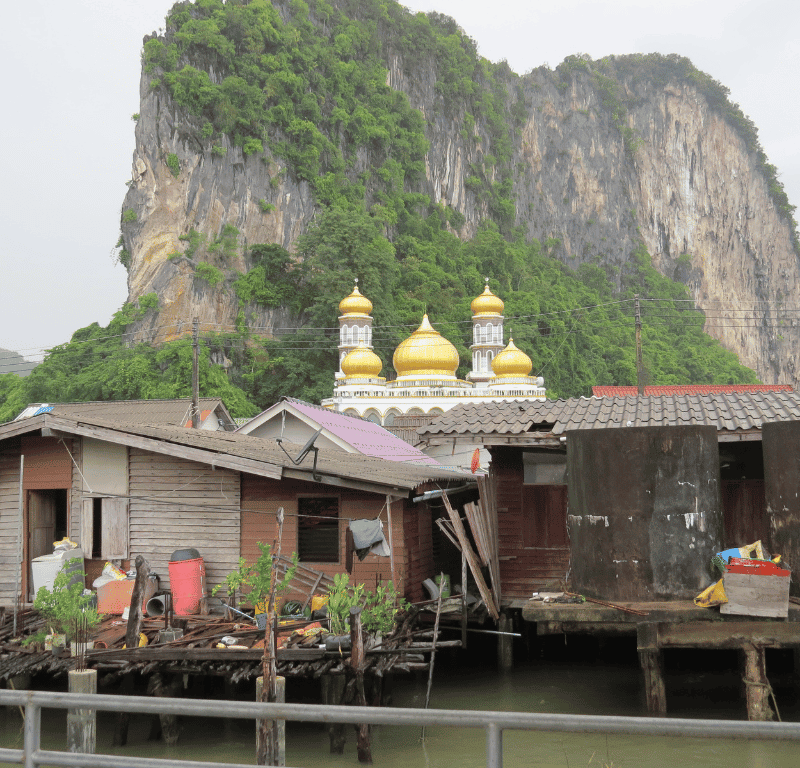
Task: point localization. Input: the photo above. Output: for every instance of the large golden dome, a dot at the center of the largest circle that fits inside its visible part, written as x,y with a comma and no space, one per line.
511,362
361,363
426,353
355,304
487,304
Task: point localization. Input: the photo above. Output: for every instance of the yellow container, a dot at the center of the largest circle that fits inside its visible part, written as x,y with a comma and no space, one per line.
318,601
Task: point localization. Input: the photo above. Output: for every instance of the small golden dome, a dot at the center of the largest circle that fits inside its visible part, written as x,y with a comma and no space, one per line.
361,363
511,362
487,304
355,304
425,353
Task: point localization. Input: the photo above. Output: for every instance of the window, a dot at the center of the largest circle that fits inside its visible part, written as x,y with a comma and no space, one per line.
104,528
318,529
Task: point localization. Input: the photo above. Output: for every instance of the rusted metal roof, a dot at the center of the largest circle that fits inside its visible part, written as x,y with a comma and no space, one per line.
176,412
734,412
259,456
688,389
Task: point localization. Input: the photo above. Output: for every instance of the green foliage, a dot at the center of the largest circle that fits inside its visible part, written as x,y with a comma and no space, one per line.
224,244
128,216
66,603
255,579
209,273
174,164
265,206
218,151
379,607
135,116
195,240
148,301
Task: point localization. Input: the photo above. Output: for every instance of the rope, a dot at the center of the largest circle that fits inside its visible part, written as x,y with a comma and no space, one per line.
771,693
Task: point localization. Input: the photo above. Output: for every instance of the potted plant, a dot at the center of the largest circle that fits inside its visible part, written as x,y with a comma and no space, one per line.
65,608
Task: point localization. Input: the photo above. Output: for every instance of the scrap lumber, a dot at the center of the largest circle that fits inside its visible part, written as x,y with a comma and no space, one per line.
472,558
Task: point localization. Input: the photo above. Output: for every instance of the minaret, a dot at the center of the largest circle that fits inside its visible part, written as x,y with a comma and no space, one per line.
487,335
355,325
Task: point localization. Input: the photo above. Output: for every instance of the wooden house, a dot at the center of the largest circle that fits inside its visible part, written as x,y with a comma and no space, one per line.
124,489
560,464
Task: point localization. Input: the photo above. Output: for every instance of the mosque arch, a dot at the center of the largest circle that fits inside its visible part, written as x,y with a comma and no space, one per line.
352,412
373,416
391,415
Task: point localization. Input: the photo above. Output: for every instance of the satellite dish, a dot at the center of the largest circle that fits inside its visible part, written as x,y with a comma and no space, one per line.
307,447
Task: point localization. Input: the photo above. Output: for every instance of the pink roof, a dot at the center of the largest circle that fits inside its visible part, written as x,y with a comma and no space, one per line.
365,436
689,389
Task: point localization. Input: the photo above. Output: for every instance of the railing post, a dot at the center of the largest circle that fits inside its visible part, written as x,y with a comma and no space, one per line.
32,733
494,746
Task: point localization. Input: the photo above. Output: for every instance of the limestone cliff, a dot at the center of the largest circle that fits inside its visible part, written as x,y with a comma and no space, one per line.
669,170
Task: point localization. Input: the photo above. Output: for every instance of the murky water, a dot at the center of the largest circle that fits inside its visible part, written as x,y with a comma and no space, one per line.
580,682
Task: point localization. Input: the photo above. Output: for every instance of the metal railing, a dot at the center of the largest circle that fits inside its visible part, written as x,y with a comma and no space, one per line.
494,723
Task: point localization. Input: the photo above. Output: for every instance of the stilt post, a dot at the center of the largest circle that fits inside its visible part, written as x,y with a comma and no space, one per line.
280,697
505,642
357,657
757,687
82,723
650,660
332,693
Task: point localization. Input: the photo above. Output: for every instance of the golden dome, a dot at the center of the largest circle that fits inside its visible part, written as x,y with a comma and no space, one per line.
361,363
511,362
425,353
487,304
355,304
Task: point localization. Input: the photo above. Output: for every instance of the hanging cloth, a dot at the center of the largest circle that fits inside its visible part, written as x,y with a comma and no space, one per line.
368,538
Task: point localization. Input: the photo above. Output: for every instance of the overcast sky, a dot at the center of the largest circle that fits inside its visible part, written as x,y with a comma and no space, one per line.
71,85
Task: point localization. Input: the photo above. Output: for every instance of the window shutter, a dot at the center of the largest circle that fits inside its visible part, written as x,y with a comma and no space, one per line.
115,529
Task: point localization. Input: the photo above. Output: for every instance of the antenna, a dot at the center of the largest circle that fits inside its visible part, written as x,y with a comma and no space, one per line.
304,451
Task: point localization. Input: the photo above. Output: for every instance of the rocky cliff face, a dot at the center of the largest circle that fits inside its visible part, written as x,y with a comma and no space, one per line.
686,185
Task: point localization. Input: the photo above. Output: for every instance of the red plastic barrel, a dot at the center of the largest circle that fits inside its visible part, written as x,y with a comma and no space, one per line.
187,580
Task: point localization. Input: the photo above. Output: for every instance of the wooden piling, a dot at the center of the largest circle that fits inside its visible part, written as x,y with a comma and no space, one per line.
650,660
757,687
82,723
357,657
332,694
168,723
505,643
132,641
280,725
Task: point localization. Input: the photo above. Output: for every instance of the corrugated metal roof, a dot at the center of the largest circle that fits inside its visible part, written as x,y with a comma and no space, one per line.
175,411
688,389
330,462
730,412
365,436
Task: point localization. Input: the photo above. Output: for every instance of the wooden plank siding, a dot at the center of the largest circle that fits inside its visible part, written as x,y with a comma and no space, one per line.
418,550
744,512
263,497
9,524
527,565
200,509
47,462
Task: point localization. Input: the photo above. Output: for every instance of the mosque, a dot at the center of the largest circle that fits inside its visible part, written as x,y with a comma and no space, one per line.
426,364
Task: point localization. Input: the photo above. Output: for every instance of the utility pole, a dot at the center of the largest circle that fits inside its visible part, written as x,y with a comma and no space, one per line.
639,366
196,373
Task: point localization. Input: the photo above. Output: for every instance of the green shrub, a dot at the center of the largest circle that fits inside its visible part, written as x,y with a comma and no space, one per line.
218,151
265,206
128,215
135,116
148,301
174,164
66,603
379,607
209,273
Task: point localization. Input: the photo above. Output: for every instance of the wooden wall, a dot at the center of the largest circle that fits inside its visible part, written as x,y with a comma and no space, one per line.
47,462
262,497
419,552
188,505
526,565
9,522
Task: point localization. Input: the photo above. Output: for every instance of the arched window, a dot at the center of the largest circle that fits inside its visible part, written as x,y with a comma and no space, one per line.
435,412
476,333
388,419
489,332
369,336
343,334
362,334
373,416
351,412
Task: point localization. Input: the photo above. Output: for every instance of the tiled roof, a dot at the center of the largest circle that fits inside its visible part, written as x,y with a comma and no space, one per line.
688,389
365,436
176,411
330,462
730,412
